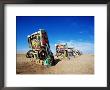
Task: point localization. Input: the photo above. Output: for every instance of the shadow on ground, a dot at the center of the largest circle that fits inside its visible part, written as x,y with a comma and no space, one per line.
55,62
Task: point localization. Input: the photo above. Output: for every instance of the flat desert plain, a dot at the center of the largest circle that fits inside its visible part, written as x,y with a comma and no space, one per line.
83,64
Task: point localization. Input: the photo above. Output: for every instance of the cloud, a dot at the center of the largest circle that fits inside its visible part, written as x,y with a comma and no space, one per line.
80,32
52,48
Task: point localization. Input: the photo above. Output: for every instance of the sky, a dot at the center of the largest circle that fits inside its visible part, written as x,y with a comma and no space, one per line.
76,31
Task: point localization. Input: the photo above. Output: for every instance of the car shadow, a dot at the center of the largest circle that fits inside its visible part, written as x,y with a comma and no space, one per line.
55,62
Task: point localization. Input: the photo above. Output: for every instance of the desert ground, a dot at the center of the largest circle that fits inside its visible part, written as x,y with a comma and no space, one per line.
83,64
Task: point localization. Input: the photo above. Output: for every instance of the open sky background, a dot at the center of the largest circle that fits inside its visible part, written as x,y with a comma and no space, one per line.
76,31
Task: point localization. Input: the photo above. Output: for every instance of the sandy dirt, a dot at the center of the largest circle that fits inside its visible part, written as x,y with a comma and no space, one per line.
83,64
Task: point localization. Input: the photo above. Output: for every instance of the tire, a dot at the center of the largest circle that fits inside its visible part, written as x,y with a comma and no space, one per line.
42,55
27,56
30,54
